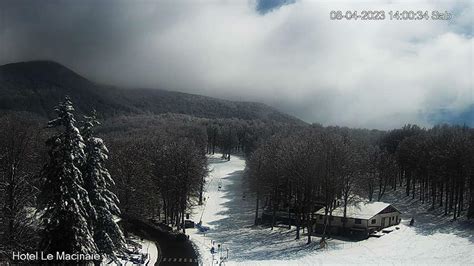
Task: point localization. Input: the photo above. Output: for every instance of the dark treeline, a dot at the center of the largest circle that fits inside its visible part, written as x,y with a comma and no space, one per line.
302,171
435,165
159,161
159,174
237,136
223,135
22,154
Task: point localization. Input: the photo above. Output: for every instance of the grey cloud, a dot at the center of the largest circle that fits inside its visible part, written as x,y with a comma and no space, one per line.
357,73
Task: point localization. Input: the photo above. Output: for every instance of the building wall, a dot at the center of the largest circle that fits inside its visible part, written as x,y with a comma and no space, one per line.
390,219
337,222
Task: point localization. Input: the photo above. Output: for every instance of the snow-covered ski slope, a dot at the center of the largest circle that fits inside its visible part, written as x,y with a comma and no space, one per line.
229,212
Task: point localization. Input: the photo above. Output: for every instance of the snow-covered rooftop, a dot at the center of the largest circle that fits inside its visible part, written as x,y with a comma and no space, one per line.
361,210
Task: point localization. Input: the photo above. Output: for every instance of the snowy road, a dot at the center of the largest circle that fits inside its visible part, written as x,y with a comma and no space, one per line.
229,212
149,247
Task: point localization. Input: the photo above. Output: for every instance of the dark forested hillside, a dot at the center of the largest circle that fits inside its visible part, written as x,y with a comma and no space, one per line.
37,86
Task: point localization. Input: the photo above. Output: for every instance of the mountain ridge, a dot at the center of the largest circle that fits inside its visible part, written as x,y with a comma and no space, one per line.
37,86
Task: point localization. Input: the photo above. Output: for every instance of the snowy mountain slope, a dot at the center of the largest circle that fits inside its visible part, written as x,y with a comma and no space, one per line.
230,217
37,86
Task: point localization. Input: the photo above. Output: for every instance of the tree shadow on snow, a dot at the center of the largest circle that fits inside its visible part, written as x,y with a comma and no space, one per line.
216,160
428,222
246,241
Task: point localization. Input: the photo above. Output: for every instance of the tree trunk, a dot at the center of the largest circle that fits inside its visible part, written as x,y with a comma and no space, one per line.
455,202
441,195
182,222
298,223
201,191
344,218
408,177
446,199
273,213
309,226
451,196
289,217
470,211
256,207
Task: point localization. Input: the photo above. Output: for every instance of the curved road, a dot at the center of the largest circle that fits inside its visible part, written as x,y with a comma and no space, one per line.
171,250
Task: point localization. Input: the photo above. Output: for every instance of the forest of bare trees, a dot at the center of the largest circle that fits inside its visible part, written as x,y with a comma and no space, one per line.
21,158
435,165
318,167
160,175
159,165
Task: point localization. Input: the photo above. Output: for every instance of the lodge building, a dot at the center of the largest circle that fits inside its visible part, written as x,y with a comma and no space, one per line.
362,218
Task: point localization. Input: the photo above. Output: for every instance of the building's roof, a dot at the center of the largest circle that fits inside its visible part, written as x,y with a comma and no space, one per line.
361,210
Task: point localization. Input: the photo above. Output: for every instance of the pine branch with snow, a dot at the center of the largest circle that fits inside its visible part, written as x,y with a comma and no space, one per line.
63,202
107,234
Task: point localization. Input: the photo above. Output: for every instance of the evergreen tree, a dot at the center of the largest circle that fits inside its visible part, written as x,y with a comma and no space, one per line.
97,180
63,202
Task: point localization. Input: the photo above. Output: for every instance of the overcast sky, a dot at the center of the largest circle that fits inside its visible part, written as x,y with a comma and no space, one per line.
289,54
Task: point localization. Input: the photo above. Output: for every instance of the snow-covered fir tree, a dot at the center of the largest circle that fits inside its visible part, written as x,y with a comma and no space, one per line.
63,202
97,180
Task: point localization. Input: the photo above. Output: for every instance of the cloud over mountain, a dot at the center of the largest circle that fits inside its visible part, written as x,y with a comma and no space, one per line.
358,73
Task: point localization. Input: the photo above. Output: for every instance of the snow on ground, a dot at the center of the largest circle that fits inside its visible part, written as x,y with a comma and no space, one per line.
147,248
229,212
215,211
